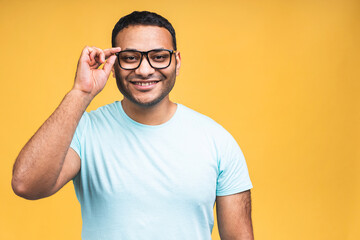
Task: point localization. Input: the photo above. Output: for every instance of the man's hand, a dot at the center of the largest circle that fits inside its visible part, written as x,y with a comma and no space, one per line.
46,163
89,78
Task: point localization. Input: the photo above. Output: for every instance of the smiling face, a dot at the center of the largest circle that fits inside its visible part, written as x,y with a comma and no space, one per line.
146,86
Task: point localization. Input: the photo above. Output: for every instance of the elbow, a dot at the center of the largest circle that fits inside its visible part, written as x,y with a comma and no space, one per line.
22,190
23,186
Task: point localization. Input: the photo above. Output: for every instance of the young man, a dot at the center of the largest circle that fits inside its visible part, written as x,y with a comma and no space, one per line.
145,167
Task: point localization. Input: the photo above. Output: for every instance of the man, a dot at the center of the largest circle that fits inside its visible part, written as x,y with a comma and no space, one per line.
145,167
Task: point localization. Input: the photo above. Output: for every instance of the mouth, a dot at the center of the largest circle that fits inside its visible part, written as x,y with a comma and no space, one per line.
143,83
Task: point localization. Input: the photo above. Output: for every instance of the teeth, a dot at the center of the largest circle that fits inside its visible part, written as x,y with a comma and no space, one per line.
144,83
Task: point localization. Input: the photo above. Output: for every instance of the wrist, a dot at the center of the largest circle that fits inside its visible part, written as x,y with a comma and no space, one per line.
81,96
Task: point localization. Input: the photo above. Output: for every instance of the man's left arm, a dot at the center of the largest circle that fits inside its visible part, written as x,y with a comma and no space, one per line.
234,216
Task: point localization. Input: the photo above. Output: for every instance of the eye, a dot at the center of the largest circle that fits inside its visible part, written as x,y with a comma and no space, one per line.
129,57
160,57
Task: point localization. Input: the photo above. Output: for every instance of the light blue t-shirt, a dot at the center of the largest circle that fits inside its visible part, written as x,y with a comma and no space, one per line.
153,182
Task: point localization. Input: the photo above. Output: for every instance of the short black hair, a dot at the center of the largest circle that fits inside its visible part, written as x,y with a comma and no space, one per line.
143,18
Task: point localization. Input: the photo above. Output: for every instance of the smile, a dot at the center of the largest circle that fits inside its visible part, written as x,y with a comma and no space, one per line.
145,83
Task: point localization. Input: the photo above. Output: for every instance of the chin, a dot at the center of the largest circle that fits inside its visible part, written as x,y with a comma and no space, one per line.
141,102
145,102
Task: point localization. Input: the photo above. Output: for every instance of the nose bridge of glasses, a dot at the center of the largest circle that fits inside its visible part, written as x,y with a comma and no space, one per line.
145,54
144,67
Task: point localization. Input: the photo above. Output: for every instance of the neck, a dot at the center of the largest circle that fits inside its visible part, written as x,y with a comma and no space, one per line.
154,115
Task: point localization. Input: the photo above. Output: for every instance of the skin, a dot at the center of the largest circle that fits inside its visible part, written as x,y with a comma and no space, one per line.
234,216
47,163
151,107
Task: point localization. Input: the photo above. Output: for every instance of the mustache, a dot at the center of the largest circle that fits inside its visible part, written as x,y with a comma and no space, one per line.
153,77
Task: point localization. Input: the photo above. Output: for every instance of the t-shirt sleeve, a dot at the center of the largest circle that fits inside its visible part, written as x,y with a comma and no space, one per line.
76,141
233,175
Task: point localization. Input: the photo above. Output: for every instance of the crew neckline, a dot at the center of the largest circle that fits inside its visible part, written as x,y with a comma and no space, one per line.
132,121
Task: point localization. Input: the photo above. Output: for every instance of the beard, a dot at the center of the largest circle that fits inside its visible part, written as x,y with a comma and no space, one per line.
168,84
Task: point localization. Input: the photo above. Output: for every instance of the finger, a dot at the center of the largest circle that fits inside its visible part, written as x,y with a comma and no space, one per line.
85,54
109,64
97,57
100,55
92,56
111,51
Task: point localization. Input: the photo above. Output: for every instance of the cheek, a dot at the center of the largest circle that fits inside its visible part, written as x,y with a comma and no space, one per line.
170,72
120,74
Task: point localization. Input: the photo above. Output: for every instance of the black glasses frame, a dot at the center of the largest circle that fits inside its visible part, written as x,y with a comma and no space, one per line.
147,57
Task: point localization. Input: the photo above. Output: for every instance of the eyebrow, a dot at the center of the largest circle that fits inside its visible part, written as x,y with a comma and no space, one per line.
130,49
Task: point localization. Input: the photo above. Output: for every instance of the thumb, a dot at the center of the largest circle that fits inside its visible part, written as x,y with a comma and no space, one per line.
109,64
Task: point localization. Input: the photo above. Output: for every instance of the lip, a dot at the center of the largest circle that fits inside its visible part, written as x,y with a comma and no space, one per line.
149,84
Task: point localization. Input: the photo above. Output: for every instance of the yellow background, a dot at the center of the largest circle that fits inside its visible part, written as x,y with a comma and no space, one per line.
281,76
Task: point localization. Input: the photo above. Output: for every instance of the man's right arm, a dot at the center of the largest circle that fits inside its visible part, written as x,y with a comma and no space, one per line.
46,163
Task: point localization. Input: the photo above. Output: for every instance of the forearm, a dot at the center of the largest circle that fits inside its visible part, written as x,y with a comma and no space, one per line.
39,163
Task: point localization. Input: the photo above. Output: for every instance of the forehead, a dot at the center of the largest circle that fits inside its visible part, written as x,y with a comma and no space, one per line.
144,38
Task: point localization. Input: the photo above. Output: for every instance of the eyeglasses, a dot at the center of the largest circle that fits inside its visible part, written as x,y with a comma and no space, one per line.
157,58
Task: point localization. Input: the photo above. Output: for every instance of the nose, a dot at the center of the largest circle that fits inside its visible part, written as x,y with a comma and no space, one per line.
144,69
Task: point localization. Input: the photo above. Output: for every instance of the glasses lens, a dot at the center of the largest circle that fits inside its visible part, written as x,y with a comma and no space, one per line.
129,59
159,58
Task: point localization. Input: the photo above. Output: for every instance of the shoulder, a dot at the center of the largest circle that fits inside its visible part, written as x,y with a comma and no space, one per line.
192,115
224,144
103,116
203,122
107,109
106,112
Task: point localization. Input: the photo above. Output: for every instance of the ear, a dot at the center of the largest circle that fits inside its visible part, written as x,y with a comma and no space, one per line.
178,63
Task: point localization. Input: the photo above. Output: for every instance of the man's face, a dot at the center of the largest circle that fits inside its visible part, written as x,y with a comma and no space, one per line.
146,86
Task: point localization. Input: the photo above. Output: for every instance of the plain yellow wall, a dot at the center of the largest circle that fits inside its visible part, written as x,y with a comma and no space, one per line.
281,76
